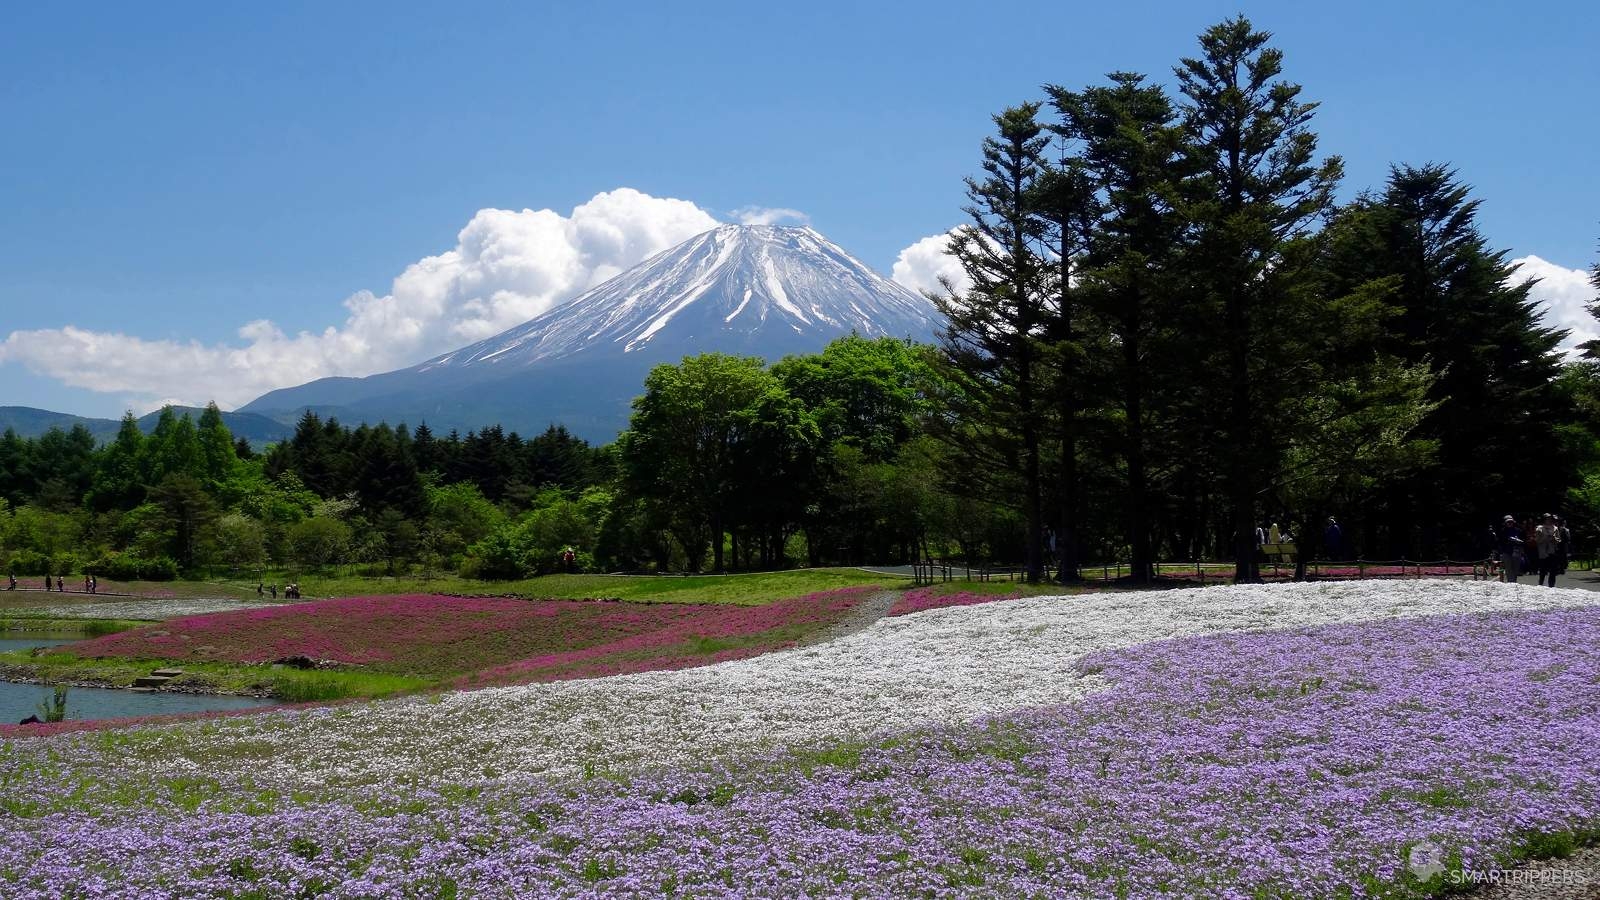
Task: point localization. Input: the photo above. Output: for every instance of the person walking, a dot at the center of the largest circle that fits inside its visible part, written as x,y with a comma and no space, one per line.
1565,555
1334,538
1547,540
61,585
1511,544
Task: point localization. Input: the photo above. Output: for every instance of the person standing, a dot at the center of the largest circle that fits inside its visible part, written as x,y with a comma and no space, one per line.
1334,537
61,584
1547,540
1565,555
1511,544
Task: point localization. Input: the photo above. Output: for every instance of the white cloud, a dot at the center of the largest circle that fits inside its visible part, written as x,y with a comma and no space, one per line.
768,215
921,266
1565,295
506,268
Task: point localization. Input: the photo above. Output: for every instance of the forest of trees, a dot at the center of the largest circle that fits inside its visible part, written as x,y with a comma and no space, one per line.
1173,333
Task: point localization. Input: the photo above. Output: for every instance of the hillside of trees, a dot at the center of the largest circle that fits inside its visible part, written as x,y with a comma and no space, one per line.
1173,333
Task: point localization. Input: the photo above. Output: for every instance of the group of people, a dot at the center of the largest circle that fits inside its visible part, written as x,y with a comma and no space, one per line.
1524,547
90,585
1272,534
291,591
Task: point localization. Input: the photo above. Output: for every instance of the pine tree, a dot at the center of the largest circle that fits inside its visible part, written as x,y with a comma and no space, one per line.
1064,199
1464,313
13,467
218,457
992,342
117,480
1266,190
426,449
1135,155
1591,349
173,448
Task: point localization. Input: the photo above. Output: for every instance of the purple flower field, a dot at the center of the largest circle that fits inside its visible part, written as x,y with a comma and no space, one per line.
1304,763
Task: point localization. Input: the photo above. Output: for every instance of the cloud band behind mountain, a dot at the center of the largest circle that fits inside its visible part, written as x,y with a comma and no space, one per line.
507,267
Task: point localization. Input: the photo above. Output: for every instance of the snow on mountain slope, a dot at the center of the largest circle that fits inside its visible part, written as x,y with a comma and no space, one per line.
740,285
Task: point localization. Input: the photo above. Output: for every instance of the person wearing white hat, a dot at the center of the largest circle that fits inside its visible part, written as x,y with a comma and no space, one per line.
1510,549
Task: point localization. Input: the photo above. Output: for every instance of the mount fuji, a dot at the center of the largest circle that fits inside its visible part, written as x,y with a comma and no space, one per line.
757,290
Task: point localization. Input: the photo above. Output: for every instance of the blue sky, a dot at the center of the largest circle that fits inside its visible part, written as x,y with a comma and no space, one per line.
171,172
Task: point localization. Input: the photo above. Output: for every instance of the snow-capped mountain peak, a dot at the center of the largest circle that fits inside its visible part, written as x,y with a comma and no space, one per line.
761,289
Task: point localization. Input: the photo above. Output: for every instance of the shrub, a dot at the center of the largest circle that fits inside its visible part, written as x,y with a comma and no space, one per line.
102,627
54,709
29,562
126,567
498,556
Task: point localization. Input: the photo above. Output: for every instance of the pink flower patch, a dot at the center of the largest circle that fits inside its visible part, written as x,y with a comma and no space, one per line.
928,598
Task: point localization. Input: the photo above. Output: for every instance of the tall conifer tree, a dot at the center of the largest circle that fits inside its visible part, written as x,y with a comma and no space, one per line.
994,332
1266,189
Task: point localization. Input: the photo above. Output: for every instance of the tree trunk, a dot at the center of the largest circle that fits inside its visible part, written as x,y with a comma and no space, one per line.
716,541
1138,487
1067,495
1029,426
1241,479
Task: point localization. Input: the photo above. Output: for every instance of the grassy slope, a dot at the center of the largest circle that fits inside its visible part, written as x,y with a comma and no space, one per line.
744,590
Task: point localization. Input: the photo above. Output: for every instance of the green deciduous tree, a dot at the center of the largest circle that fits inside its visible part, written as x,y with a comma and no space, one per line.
688,446
239,541
318,541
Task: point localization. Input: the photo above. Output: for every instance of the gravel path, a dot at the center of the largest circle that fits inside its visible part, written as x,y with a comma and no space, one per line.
1549,879
861,618
150,608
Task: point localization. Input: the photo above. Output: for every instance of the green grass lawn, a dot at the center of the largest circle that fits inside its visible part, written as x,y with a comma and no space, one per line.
743,589
1003,588
26,624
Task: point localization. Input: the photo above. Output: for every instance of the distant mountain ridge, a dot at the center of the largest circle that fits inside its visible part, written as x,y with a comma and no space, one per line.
28,421
760,290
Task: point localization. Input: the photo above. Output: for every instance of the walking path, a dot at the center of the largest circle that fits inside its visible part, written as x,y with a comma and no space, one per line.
861,618
1547,879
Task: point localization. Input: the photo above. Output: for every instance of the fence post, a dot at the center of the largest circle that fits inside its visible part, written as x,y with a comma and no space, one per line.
1361,570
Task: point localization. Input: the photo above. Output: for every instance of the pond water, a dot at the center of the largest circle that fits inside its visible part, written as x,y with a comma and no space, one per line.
23,640
18,701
